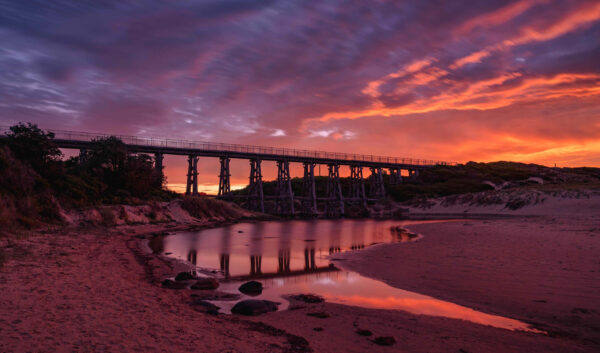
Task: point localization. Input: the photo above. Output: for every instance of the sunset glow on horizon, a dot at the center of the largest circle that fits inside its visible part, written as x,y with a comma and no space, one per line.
456,81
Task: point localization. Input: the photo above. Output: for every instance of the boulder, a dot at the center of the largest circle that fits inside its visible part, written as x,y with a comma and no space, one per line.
252,307
184,276
251,288
205,283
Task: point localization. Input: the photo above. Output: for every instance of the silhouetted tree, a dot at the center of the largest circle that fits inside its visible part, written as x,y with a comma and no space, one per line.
108,153
33,145
139,176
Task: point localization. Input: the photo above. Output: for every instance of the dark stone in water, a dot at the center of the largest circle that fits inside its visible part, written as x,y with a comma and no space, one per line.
252,307
240,231
205,283
184,276
169,283
251,288
320,315
318,329
364,332
385,340
308,298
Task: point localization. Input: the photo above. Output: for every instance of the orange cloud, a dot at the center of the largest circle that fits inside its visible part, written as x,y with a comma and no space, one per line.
530,34
565,25
372,88
497,17
425,77
474,96
471,58
488,94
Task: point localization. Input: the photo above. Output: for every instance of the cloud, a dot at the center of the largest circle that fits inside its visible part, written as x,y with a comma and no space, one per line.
278,133
467,80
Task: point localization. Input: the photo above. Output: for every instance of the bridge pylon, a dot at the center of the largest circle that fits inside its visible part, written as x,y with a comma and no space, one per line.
357,185
256,197
377,189
224,178
309,202
395,176
413,173
284,202
192,175
158,168
334,203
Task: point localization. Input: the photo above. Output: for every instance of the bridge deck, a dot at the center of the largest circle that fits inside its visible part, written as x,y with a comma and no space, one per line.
83,140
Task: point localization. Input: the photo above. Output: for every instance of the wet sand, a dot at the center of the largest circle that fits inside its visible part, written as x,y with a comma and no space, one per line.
412,333
541,270
88,291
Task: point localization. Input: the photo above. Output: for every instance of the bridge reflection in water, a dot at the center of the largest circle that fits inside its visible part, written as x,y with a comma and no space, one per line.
270,250
293,257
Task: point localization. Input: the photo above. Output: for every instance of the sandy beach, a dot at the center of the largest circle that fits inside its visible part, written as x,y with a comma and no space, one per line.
94,290
88,293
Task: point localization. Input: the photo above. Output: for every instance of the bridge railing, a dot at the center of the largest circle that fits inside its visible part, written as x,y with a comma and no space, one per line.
228,147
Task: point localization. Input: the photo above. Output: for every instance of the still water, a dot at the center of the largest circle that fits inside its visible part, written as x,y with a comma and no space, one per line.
296,257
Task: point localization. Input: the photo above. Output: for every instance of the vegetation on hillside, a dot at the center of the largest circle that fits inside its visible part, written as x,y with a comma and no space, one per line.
35,181
475,177
464,178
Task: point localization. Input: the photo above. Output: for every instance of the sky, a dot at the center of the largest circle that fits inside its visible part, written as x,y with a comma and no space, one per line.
447,80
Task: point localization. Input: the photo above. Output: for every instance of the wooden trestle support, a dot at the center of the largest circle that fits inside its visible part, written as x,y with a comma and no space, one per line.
357,185
309,201
192,175
395,176
158,168
334,202
256,199
224,178
284,201
377,190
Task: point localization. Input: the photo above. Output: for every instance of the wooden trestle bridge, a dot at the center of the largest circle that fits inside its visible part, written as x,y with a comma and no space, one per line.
284,198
